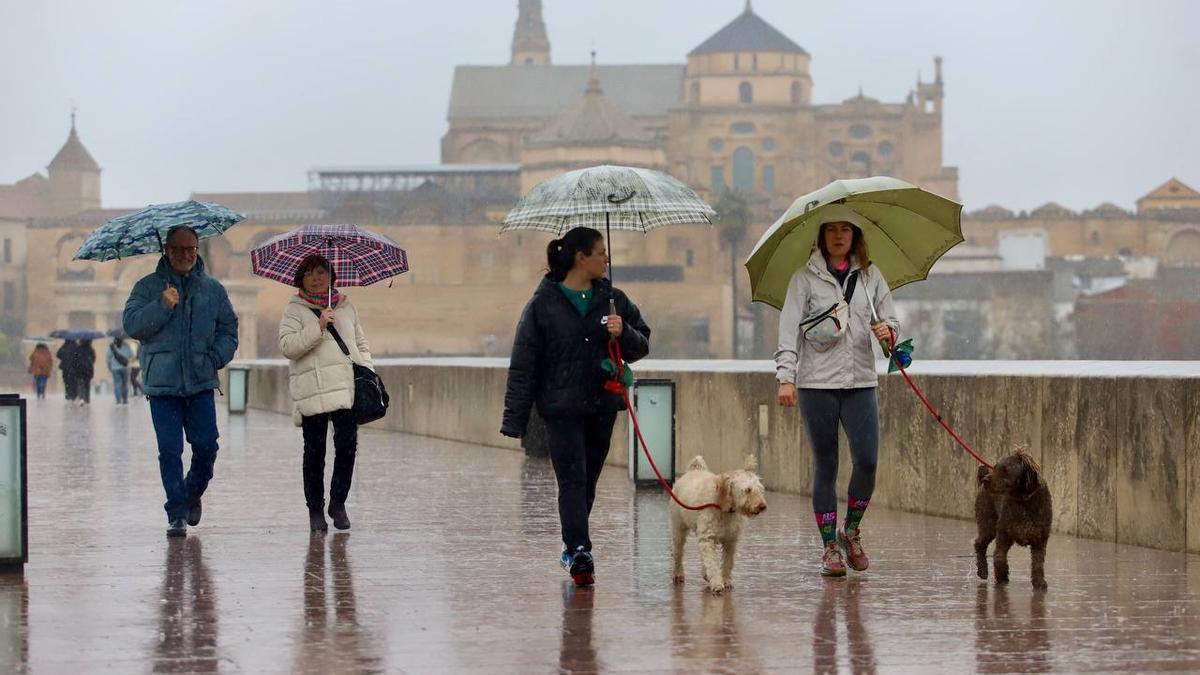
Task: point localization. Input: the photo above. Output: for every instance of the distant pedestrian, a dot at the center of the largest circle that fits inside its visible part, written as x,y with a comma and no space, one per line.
557,363
135,370
41,365
188,331
118,356
317,324
68,367
833,365
85,369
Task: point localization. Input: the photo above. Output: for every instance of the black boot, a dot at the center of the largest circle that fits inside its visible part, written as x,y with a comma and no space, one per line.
316,522
337,511
194,511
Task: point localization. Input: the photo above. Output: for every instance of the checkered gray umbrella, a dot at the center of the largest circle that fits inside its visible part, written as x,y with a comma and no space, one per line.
615,197
358,257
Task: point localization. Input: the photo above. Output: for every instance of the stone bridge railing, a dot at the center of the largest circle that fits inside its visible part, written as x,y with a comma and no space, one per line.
1118,442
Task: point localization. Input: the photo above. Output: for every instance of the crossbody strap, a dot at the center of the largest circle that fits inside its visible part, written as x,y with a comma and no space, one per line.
334,332
851,284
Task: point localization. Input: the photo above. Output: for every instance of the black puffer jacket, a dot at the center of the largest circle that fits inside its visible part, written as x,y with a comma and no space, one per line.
557,354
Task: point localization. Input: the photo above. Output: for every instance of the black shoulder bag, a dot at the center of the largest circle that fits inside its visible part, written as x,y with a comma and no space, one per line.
370,396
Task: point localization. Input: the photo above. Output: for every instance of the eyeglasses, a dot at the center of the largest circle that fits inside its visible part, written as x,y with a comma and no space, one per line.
185,249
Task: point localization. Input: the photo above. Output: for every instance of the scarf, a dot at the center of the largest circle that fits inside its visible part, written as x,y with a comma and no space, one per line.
321,299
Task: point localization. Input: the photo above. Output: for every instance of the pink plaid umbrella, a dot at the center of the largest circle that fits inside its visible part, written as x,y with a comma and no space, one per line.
358,257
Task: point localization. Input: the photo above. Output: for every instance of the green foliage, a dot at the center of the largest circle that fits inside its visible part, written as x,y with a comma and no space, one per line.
12,329
733,215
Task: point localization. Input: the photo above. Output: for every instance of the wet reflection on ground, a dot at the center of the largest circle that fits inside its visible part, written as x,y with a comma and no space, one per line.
452,566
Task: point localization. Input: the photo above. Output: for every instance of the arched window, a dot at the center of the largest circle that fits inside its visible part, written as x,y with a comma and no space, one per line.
862,158
860,131
1183,247
745,92
743,170
797,93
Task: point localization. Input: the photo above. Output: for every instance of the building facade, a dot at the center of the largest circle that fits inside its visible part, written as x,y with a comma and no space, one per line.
738,114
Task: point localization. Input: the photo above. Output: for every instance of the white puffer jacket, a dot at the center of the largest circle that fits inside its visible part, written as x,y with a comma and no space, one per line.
850,363
321,379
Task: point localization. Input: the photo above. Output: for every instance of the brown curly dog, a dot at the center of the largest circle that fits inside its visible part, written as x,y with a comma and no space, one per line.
1012,506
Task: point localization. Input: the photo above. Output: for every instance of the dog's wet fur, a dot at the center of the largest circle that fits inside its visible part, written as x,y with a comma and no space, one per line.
1012,506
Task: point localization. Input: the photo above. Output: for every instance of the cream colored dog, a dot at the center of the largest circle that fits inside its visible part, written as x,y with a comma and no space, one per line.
740,495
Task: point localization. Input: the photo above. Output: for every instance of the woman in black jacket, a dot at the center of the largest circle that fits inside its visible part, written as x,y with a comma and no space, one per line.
558,363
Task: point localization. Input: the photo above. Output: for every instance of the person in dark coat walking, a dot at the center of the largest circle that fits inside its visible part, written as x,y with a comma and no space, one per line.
189,331
85,369
558,364
66,364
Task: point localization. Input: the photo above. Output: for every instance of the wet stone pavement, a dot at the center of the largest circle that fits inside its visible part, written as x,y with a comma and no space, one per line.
451,566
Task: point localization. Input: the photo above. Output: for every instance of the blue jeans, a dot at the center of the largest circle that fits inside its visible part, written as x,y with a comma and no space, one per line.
39,385
173,417
121,385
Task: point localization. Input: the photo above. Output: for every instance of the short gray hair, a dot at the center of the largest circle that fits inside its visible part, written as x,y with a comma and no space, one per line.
180,228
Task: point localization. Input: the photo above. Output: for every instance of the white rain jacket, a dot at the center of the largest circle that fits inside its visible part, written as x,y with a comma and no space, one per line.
320,377
849,364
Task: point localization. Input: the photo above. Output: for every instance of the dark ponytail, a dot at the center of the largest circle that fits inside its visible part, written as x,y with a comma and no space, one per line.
560,253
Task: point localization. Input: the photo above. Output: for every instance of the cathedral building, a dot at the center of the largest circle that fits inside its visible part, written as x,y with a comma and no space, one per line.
737,114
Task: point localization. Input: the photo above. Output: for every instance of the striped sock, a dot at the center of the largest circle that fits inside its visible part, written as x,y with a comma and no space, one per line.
854,513
827,524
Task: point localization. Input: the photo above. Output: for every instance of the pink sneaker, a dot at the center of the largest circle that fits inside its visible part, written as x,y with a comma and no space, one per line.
852,544
831,562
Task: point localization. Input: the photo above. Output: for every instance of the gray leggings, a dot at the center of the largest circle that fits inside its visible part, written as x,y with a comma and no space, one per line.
858,411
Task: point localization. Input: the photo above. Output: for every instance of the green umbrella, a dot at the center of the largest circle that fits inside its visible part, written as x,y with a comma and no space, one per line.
907,230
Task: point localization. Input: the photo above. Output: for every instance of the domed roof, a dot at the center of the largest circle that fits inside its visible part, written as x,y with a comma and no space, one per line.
748,33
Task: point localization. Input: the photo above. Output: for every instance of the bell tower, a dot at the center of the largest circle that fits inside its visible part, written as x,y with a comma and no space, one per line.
530,46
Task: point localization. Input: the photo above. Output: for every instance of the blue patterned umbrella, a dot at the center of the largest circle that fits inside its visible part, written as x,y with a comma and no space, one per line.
145,231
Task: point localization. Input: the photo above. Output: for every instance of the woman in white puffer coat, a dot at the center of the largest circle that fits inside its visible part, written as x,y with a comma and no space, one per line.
322,383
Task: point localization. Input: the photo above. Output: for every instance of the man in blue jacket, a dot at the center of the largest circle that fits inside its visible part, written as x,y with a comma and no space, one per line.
188,332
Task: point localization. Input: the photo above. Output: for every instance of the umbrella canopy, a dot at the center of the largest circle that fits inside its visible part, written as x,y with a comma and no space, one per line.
145,231
358,257
616,197
906,228
83,334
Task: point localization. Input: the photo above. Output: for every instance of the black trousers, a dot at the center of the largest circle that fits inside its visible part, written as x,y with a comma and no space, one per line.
345,446
578,447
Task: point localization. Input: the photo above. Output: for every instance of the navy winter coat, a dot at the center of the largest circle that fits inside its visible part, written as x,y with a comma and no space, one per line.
182,348
557,354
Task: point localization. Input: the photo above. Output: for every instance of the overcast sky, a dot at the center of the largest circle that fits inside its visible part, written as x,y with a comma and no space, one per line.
1077,101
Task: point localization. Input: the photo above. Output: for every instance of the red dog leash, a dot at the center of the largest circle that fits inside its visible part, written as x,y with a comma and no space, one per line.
928,405
614,385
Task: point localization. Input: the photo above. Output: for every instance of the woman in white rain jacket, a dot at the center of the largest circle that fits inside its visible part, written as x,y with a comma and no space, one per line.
831,375
322,383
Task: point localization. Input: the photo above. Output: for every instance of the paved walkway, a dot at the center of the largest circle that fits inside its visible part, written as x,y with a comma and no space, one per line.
452,567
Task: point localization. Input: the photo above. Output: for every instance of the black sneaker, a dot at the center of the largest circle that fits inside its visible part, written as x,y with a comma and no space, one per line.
316,522
338,512
177,528
194,511
583,567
